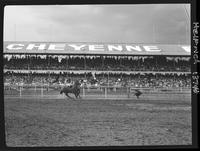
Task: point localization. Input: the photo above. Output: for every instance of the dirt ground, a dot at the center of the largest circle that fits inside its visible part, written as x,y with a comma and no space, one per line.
97,122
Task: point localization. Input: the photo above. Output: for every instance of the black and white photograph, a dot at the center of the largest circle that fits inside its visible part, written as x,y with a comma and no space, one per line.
97,75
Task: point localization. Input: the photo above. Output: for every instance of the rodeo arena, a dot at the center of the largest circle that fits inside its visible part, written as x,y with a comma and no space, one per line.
97,94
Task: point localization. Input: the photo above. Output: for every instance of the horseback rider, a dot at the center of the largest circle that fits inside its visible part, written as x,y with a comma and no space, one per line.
75,89
56,80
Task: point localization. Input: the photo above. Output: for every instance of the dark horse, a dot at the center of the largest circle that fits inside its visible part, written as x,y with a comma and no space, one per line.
75,89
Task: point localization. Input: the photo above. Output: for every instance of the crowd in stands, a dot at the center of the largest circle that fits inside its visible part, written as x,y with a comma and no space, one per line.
111,80
109,63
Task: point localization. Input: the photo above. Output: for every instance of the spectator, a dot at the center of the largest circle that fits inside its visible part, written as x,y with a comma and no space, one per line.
160,63
134,80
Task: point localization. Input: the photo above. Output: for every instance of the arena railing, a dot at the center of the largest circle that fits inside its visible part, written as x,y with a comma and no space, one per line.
41,90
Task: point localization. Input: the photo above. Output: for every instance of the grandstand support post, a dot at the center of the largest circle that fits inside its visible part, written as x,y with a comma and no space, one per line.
35,88
108,79
85,62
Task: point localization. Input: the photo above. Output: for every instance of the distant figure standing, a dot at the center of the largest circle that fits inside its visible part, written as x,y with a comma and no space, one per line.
138,93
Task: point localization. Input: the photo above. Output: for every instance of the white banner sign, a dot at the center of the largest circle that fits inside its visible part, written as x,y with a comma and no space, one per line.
89,48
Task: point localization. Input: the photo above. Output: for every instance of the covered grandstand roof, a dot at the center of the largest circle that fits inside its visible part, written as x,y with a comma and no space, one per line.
92,48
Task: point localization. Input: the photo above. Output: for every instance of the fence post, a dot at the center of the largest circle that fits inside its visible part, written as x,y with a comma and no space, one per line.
20,91
83,92
42,91
128,92
105,92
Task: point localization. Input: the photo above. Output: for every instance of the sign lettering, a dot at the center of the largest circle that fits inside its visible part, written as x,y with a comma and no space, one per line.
96,48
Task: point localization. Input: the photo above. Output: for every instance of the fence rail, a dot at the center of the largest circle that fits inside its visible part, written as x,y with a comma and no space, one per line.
102,91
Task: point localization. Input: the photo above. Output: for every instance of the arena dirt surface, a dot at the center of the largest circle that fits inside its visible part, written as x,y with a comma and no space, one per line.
97,122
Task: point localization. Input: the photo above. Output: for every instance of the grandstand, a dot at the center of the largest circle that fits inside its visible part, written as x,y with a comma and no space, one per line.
97,65
108,111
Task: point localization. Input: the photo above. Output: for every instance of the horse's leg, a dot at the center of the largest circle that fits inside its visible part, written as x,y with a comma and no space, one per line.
68,95
79,96
76,95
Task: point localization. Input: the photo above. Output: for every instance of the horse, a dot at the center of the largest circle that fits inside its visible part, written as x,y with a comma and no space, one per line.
75,89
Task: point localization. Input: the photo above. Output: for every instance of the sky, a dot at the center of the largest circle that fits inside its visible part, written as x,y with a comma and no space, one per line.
139,23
